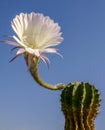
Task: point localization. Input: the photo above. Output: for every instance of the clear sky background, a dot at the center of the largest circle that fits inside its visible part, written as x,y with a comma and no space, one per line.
24,105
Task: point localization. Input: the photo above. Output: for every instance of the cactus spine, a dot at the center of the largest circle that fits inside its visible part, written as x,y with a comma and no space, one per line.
80,103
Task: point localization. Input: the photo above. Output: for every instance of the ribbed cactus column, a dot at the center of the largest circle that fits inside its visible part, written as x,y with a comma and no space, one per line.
80,103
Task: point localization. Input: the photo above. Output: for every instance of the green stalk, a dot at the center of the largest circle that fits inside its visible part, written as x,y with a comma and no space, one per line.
33,68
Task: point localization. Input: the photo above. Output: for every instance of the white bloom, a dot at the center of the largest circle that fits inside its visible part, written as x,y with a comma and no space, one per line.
36,34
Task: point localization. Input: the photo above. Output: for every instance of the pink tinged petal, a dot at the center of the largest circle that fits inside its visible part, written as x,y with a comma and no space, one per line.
52,50
45,59
10,42
37,53
19,52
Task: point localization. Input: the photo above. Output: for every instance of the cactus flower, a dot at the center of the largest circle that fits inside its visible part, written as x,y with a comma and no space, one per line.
36,34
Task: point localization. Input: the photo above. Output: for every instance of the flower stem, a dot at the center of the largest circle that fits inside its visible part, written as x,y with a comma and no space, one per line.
33,68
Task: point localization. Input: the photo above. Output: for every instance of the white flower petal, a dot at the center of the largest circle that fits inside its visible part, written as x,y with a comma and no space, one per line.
18,41
36,30
18,24
36,33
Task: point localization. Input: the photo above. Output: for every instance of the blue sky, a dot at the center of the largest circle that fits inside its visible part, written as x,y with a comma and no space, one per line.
24,105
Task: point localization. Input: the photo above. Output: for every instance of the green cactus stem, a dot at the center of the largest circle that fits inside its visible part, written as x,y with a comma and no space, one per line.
80,103
33,68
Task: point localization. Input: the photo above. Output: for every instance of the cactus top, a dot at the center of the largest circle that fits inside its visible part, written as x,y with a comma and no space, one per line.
80,103
77,95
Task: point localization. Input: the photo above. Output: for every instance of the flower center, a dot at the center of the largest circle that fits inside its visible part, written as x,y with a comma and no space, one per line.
30,41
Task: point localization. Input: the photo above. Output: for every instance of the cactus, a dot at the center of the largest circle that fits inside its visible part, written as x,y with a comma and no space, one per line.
80,103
